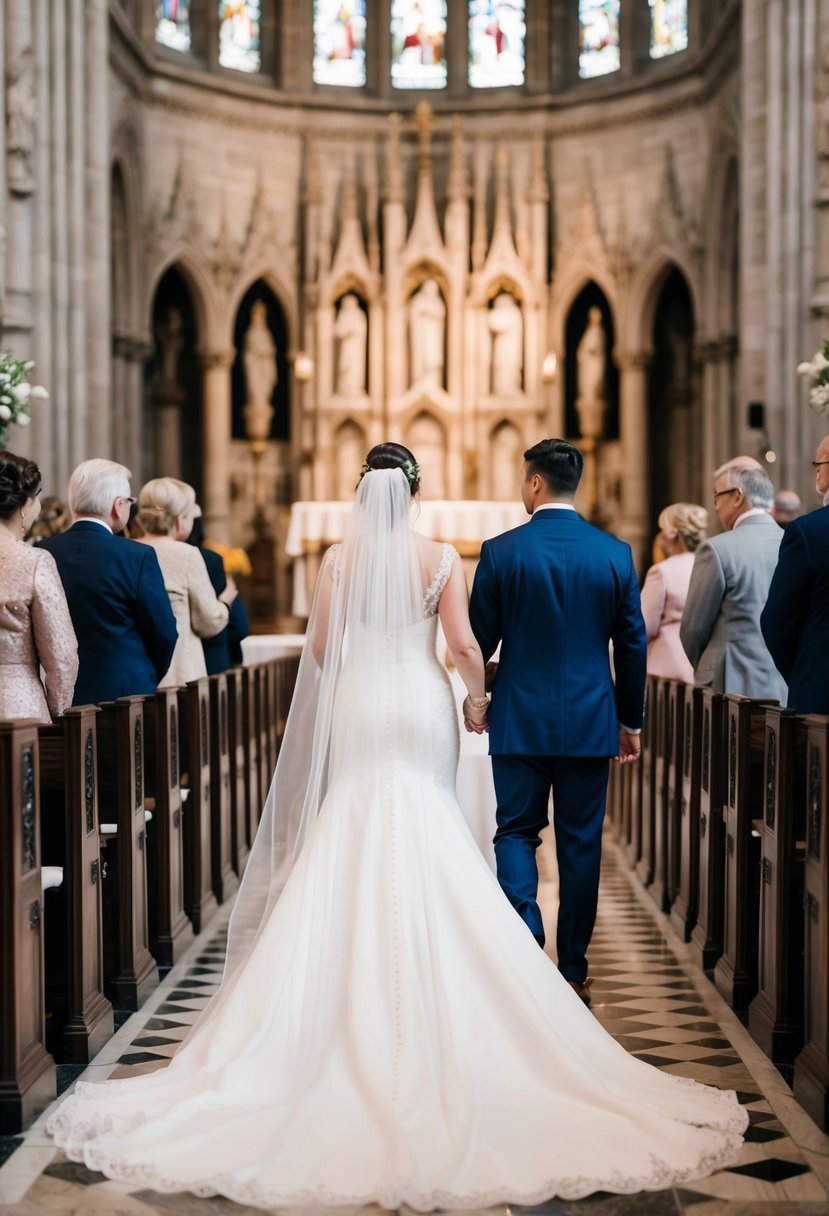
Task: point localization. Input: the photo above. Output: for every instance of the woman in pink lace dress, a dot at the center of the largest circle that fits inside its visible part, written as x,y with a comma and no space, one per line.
35,626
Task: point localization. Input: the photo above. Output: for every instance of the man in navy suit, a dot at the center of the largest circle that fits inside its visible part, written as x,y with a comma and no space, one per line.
556,593
119,605
795,620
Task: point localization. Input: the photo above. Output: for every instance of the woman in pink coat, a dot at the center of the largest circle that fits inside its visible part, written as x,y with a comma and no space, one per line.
682,528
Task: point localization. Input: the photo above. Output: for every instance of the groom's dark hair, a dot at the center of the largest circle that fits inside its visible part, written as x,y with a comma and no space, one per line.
558,462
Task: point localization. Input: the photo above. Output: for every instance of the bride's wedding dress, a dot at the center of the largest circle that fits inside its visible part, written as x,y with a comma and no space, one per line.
395,1034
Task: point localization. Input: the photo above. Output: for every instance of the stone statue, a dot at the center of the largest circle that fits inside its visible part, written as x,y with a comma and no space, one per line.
20,126
170,337
507,328
350,330
259,357
427,326
591,358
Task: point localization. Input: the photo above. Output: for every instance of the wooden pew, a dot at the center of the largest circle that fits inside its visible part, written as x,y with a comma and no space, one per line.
811,1069
650,741
254,793
684,910
239,846
171,931
636,782
130,971
264,676
775,1016
677,690
199,897
288,671
27,1071
74,948
668,793
707,935
225,881
735,973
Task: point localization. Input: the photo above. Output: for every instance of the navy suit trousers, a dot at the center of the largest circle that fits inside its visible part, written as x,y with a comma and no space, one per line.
579,788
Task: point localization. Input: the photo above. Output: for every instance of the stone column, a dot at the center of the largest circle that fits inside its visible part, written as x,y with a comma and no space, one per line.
633,401
217,430
93,67
19,169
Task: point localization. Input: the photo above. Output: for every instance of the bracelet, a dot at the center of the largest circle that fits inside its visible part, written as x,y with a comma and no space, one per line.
477,702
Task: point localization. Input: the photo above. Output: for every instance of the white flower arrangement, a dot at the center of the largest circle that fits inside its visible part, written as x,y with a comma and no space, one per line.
16,392
818,372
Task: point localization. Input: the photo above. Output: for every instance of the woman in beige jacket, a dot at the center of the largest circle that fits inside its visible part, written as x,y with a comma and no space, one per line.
166,510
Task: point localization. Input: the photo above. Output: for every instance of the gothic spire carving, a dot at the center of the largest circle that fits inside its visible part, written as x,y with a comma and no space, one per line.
425,233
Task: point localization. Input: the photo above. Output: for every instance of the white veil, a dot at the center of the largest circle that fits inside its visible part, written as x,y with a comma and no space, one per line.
355,683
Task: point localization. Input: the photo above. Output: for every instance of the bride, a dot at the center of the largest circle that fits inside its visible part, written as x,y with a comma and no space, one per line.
387,1029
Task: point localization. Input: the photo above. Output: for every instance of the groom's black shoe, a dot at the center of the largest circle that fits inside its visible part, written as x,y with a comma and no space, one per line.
582,990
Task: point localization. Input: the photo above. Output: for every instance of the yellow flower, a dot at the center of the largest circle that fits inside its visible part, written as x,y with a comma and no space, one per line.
236,561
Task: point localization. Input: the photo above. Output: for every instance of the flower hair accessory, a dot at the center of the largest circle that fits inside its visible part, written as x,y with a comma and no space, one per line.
409,467
818,372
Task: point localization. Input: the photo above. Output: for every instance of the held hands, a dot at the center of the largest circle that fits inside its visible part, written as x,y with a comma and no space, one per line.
475,711
629,748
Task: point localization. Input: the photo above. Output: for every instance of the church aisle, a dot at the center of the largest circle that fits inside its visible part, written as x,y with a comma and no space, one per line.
658,1007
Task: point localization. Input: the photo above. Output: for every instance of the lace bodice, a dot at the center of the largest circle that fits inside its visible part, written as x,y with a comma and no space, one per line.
436,588
432,594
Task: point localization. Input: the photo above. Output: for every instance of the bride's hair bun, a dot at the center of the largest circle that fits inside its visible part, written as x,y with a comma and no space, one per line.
393,456
19,481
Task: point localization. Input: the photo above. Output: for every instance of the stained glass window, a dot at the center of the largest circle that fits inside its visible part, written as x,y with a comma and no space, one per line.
496,43
418,44
172,24
669,27
340,42
598,37
239,41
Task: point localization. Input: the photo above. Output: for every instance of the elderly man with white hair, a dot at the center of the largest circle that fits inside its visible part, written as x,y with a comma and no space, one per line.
720,629
119,606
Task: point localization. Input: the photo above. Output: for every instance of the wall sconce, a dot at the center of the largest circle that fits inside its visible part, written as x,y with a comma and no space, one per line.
549,368
303,366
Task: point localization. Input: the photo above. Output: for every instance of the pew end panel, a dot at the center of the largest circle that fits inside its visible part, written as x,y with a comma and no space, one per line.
28,1076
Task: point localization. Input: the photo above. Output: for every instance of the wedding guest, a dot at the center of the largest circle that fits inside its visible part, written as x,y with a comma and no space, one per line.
54,518
720,629
682,528
122,617
225,649
35,626
795,620
166,512
787,507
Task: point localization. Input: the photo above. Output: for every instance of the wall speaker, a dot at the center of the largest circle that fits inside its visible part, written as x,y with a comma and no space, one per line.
756,415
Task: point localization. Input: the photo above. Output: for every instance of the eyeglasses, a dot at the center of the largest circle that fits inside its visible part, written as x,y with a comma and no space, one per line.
719,493
126,498
817,463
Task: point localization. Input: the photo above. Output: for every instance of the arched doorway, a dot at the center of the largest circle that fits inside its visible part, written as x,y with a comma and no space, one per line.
427,439
174,436
676,458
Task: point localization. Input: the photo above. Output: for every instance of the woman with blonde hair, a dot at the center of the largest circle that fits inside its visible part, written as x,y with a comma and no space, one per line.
682,528
166,510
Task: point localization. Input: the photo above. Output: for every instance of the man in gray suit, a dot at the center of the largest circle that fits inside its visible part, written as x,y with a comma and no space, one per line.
720,629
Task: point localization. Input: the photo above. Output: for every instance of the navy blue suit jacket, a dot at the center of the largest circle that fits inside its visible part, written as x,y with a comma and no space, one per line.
225,649
555,592
120,609
795,620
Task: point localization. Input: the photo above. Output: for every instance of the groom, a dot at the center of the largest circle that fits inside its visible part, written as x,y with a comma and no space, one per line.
555,593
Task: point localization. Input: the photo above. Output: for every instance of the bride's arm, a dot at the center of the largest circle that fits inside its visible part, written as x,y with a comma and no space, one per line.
454,617
318,625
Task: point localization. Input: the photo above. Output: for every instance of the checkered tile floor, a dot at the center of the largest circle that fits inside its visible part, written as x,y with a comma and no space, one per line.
645,994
